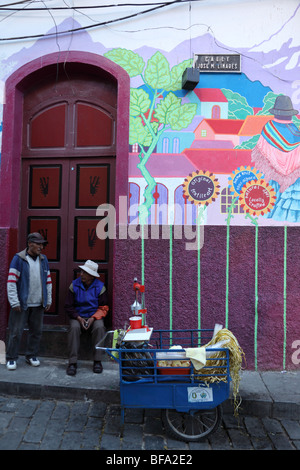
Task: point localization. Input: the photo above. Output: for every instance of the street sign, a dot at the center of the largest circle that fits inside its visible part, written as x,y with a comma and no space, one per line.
228,63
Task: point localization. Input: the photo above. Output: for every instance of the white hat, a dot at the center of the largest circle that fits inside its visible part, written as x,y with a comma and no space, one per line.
91,268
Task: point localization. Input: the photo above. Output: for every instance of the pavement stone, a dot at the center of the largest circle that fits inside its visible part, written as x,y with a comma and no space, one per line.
72,425
44,409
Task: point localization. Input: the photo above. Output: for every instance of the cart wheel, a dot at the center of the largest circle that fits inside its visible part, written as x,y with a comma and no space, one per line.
192,426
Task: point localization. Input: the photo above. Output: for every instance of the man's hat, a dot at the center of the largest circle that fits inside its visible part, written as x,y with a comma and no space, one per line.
90,267
36,237
283,107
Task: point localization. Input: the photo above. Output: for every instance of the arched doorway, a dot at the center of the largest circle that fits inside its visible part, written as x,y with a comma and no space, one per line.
63,155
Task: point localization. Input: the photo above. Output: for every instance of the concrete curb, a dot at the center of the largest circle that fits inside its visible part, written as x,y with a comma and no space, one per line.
263,394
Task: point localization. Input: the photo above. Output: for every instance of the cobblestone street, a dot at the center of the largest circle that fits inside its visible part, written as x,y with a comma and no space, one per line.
41,424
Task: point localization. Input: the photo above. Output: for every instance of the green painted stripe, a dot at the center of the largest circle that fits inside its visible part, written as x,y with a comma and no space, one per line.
143,258
256,296
284,297
171,281
199,276
227,276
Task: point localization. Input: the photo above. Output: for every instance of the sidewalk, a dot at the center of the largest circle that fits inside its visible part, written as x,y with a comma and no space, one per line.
263,394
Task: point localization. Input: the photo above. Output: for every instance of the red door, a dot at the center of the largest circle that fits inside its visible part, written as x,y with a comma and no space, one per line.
68,170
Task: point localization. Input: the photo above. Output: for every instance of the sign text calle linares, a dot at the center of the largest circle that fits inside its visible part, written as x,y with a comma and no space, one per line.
218,62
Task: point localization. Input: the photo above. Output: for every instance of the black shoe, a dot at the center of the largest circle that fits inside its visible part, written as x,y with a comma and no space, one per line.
98,368
72,369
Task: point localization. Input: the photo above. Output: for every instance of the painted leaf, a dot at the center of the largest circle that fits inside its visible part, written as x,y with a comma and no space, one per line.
182,116
139,102
238,107
128,60
269,101
166,107
157,72
137,131
176,75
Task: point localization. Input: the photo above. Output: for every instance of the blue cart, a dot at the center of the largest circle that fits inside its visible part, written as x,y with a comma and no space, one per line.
151,377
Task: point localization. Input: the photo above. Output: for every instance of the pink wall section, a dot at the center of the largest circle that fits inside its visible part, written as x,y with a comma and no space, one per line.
175,304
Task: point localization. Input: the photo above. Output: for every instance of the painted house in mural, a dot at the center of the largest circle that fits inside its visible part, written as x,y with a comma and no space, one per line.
211,103
95,116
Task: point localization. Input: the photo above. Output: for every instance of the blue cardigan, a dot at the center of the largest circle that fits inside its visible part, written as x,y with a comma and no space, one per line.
87,299
18,280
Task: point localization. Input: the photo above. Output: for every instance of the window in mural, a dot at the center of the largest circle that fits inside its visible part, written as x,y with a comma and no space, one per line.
133,203
185,212
176,145
216,112
165,145
135,148
159,209
226,201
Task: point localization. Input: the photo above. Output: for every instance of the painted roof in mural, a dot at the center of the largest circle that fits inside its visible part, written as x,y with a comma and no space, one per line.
253,125
210,95
169,165
212,144
218,161
223,126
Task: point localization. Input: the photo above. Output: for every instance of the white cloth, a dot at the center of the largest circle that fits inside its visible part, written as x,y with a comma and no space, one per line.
197,356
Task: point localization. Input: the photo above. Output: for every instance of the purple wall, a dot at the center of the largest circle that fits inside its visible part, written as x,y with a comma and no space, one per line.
271,326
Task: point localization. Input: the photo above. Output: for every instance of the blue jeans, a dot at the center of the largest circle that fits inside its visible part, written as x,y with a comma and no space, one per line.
33,317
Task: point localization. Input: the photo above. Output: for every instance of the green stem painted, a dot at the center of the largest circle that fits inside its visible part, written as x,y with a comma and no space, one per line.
151,183
284,297
229,217
254,221
143,257
256,296
171,281
200,219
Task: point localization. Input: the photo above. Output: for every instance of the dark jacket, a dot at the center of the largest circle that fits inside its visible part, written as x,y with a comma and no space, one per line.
18,281
84,301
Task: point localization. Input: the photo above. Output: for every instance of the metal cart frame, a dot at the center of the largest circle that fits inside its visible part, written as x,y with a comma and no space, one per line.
184,395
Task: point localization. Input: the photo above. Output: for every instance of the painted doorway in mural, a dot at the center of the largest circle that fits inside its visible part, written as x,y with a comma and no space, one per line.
68,170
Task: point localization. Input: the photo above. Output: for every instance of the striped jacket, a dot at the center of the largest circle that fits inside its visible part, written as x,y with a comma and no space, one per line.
18,281
284,136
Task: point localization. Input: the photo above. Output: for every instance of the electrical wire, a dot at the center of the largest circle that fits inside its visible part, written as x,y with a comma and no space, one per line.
85,7
15,3
103,23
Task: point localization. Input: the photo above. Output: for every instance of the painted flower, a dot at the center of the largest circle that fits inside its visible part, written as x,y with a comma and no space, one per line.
257,197
201,187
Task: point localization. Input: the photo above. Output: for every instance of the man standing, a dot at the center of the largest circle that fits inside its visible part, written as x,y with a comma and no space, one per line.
29,290
86,306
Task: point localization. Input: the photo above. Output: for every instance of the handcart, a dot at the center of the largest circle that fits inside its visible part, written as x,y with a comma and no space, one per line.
157,374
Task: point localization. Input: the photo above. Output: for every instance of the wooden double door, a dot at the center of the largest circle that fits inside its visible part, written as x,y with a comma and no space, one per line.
59,200
68,170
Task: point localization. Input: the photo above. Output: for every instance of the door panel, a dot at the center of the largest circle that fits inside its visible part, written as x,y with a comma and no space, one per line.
68,170
59,200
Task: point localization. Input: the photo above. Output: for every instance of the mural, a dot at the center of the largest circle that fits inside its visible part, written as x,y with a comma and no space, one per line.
224,156
252,150
212,129
154,108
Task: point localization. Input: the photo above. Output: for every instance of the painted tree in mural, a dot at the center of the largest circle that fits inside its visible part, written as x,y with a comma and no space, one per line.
154,108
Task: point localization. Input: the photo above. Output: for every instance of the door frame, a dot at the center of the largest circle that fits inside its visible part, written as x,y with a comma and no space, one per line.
10,176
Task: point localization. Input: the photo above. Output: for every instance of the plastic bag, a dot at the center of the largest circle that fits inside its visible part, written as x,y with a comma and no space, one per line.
136,365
